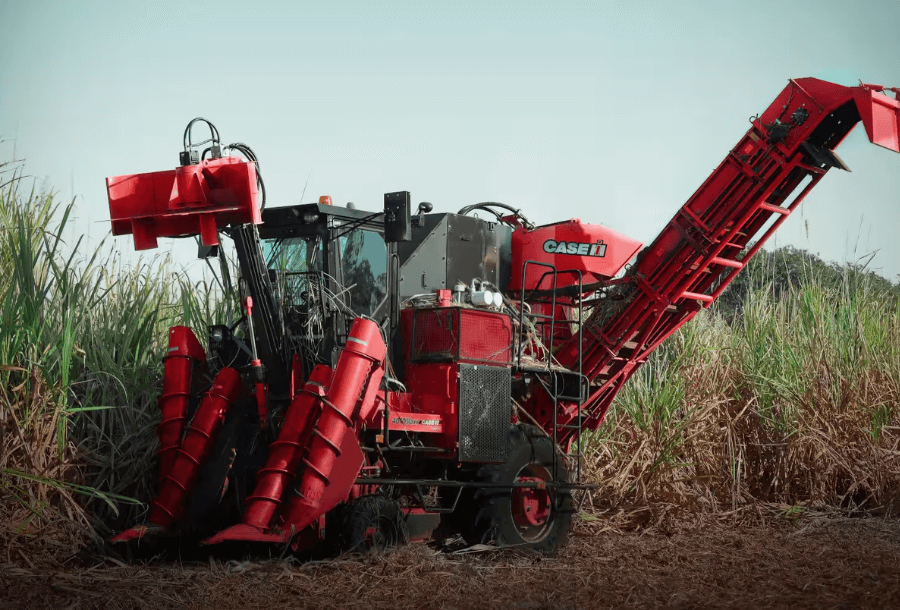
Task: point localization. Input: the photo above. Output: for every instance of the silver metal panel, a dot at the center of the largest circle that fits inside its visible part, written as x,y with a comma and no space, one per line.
447,248
465,253
474,250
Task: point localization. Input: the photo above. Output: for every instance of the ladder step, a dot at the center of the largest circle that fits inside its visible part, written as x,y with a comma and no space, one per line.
699,297
774,209
726,262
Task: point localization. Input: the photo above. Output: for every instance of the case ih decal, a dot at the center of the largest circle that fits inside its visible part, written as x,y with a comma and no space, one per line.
597,252
551,246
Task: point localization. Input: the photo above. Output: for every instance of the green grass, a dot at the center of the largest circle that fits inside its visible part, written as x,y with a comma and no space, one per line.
88,333
795,400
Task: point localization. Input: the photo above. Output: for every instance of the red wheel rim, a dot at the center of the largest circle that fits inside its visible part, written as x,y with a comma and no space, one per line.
531,507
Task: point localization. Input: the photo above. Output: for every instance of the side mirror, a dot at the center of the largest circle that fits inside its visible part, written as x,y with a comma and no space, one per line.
424,208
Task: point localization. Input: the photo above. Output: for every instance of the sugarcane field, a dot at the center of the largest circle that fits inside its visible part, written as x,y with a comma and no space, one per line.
470,306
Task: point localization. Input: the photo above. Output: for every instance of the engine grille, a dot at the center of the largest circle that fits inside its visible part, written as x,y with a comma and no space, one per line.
436,334
484,413
456,333
485,336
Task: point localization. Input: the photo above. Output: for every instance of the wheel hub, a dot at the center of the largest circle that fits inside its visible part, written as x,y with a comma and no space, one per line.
533,503
531,506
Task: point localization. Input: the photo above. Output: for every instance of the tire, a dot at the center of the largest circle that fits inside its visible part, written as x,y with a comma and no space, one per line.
534,519
371,524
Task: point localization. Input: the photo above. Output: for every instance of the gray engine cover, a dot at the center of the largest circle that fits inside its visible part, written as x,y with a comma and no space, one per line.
448,248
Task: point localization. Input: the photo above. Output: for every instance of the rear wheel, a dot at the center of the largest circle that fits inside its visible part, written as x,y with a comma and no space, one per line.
372,524
536,518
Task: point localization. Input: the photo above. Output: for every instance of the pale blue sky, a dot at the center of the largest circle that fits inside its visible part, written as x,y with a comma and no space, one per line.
610,112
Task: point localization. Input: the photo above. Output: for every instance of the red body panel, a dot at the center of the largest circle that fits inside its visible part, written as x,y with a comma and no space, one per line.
406,416
184,350
188,200
434,391
195,448
287,451
359,370
597,251
346,468
294,516
319,433
457,333
880,114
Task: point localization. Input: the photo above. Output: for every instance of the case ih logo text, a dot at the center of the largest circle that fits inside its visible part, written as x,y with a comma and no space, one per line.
551,246
408,421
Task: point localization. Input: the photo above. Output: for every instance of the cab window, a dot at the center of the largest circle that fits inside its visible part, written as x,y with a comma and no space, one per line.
293,255
364,269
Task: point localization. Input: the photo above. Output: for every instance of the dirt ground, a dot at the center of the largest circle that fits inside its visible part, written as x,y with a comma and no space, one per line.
813,562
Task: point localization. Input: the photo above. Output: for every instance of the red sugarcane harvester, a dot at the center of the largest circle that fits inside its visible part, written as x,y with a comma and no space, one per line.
397,375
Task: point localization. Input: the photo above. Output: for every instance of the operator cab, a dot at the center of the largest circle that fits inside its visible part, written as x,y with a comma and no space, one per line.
328,265
345,245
